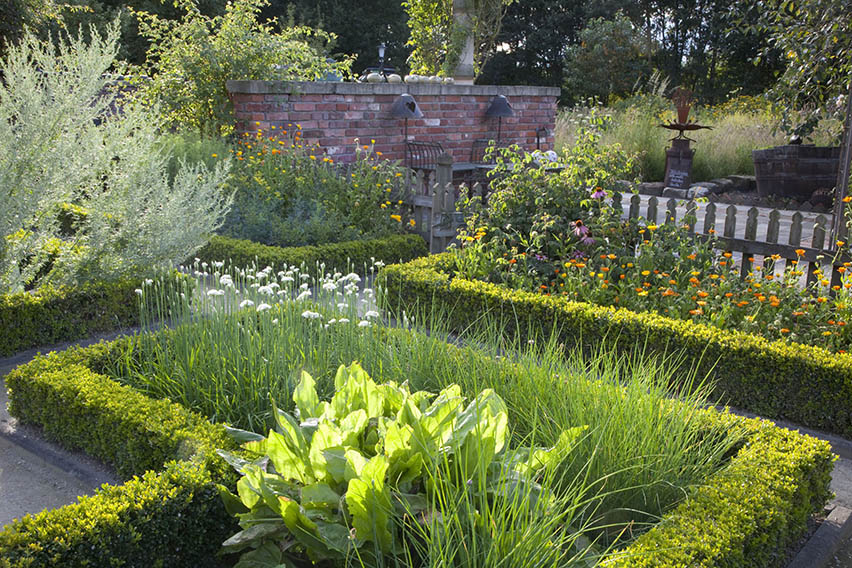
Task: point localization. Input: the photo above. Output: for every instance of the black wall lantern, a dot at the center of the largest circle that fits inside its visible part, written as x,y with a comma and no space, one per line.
499,107
406,107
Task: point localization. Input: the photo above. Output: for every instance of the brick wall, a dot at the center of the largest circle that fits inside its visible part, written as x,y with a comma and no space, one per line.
334,114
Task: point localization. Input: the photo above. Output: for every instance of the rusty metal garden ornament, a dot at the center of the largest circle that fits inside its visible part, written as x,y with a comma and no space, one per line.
679,156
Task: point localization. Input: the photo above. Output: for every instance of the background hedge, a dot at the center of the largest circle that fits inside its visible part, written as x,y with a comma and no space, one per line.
746,515
358,254
804,384
54,315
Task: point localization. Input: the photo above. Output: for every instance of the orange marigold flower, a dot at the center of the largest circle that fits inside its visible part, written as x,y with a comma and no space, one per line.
800,252
702,294
784,330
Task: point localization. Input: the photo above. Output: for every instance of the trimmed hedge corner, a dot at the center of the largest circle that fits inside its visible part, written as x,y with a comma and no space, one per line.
54,315
242,253
745,515
171,515
804,384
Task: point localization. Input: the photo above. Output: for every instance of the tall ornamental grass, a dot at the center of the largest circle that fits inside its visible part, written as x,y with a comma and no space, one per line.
738,127
253,332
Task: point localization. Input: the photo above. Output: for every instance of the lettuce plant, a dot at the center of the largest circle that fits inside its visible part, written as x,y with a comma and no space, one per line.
366,474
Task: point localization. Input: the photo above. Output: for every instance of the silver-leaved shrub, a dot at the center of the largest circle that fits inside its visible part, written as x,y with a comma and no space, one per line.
84,189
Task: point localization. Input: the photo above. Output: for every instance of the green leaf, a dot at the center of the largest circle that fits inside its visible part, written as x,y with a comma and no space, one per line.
250,535
287,461
232,502
319,495
548,459
355,463
267,556
335,464
305,397
327,436
368,501
242,436
249,495
352,425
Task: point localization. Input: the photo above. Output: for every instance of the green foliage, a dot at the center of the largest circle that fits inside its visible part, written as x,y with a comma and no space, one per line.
190,60
609,61
750,528
815,39
18,15
372,457
739,126
52,315
804,384
149,521
437,39
357,254
170,518
82,409
541,215
290,194
355,25
51,98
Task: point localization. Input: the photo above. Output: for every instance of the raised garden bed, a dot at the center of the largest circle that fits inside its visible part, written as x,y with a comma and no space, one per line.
801,383
746,513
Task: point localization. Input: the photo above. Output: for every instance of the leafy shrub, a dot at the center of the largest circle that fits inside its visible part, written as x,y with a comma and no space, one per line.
191,59
539,215
169,518
52,315
375,457
134,217
290,194
607,61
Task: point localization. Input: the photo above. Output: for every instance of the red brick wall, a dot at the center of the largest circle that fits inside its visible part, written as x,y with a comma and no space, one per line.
333,115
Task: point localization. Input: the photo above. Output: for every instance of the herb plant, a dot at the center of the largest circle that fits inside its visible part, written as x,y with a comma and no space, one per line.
362,476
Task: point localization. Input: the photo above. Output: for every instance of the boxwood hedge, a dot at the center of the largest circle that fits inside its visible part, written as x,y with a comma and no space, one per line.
746,514
804,384
53,315
400,248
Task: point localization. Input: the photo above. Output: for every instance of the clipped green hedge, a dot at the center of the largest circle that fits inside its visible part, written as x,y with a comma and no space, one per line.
745,515
170,516
749,514
54,315
173,518
804,384
400,248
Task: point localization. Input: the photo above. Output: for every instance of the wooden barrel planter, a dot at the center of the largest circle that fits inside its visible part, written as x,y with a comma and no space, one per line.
795,170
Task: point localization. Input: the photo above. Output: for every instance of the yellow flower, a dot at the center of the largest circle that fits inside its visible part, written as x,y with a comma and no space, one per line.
412,222
396,218
215,155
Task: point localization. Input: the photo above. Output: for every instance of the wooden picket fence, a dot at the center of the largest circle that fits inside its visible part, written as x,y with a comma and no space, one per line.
792,236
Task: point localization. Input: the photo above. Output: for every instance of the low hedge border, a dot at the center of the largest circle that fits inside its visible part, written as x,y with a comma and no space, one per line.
804,384
168,513
358,254
54,315
746,515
